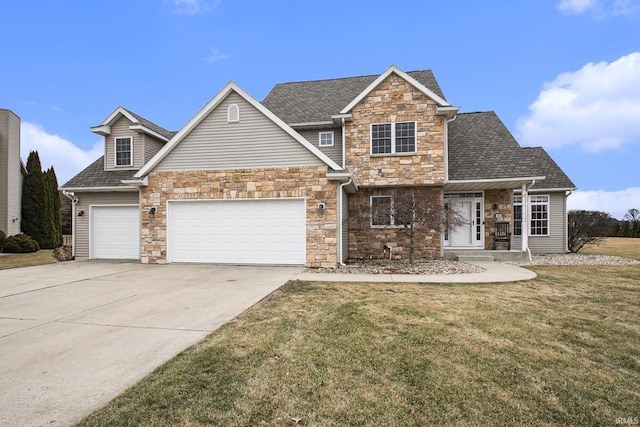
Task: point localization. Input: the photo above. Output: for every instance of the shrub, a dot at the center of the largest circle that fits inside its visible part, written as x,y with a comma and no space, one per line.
2,239
20,243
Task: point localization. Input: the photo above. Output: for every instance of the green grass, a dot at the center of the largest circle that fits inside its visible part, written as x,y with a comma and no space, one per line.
26,260
563,349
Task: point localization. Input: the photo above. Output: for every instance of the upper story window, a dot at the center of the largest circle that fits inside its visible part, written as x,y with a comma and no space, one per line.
233,113
124,151
325,139
392,138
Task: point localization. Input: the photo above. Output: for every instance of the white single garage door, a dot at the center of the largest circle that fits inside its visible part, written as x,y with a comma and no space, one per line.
237,231
115,232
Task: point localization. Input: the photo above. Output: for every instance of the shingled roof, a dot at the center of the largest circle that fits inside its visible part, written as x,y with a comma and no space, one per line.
94,176
317,100
481,147
545,165
149,124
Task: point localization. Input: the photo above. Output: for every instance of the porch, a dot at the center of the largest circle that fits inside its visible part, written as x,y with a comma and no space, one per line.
471,255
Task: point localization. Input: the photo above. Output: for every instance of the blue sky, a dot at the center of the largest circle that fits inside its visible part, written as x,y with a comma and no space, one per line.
562,74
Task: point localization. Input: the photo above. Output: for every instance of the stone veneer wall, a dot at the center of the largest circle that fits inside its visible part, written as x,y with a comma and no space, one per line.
504,200
309,182
396,100
366,241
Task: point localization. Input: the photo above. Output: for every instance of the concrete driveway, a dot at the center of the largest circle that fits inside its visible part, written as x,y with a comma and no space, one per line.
74,335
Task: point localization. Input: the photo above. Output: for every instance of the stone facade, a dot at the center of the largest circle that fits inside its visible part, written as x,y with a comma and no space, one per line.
308,182
393,100
503,201
396,100
367,241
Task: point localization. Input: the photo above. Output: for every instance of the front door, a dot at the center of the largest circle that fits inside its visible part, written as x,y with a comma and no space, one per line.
469,233
462,235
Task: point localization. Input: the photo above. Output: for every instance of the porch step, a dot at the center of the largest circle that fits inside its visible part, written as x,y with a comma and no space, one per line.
476,258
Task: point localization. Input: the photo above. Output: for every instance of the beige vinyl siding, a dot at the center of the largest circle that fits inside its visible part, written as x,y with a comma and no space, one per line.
335,152
10,173
151,147
345,225
253,142
121,129
81,235
555,242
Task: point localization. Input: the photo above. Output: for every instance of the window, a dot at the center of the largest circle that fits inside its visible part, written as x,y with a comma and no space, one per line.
124,151
539,214
391,138
233,113
380,210
325,139
517,215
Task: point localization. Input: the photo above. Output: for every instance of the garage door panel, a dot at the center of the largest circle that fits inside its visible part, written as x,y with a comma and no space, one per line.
238,231
115,232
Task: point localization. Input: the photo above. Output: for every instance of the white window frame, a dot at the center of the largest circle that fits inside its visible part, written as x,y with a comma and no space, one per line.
393,138
320,140
115,151
535,200
390,211
233,113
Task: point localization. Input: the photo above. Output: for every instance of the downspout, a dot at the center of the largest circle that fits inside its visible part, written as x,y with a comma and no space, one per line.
446,172
71,197
339,225
566,222
343,142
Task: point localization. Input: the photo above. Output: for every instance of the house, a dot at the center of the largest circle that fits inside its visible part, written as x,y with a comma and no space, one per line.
293,179
12,173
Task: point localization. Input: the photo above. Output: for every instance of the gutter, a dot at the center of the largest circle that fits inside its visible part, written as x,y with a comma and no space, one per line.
339,218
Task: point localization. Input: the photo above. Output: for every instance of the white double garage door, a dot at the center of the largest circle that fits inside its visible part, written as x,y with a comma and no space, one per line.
255,231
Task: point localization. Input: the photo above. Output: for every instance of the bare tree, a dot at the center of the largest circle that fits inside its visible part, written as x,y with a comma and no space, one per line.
421,213
588,227
633,218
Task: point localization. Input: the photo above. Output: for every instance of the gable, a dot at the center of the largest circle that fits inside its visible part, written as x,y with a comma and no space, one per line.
254,141
317,101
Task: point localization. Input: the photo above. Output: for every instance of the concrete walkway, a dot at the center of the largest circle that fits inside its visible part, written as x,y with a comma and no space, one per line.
494,272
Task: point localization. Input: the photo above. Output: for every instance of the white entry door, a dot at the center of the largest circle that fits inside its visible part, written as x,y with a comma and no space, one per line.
469,233
269,231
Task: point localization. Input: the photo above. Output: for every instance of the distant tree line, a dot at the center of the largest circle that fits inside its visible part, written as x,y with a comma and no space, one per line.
629,226
592,226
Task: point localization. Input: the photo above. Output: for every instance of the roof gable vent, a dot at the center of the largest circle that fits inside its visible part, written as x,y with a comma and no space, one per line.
233,113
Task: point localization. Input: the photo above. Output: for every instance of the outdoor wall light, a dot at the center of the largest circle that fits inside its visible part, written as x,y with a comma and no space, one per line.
320,207
80,213
495,206
152,211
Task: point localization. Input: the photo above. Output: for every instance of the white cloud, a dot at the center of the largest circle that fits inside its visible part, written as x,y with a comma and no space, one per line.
194,7
600,9
66,158
615,203
216,55
575,6
596,107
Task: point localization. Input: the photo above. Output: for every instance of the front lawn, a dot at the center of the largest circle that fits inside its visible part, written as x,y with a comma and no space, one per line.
44,256
563,349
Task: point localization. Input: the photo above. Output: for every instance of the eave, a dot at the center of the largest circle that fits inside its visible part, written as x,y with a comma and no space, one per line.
489,184
119,188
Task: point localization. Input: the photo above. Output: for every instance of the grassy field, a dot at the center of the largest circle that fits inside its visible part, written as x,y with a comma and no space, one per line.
25,260
563,349
618,246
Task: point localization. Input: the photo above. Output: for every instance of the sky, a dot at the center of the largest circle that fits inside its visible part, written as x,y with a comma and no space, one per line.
561,74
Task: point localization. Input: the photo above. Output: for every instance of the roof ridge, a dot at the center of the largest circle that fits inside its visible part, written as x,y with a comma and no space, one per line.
346,78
